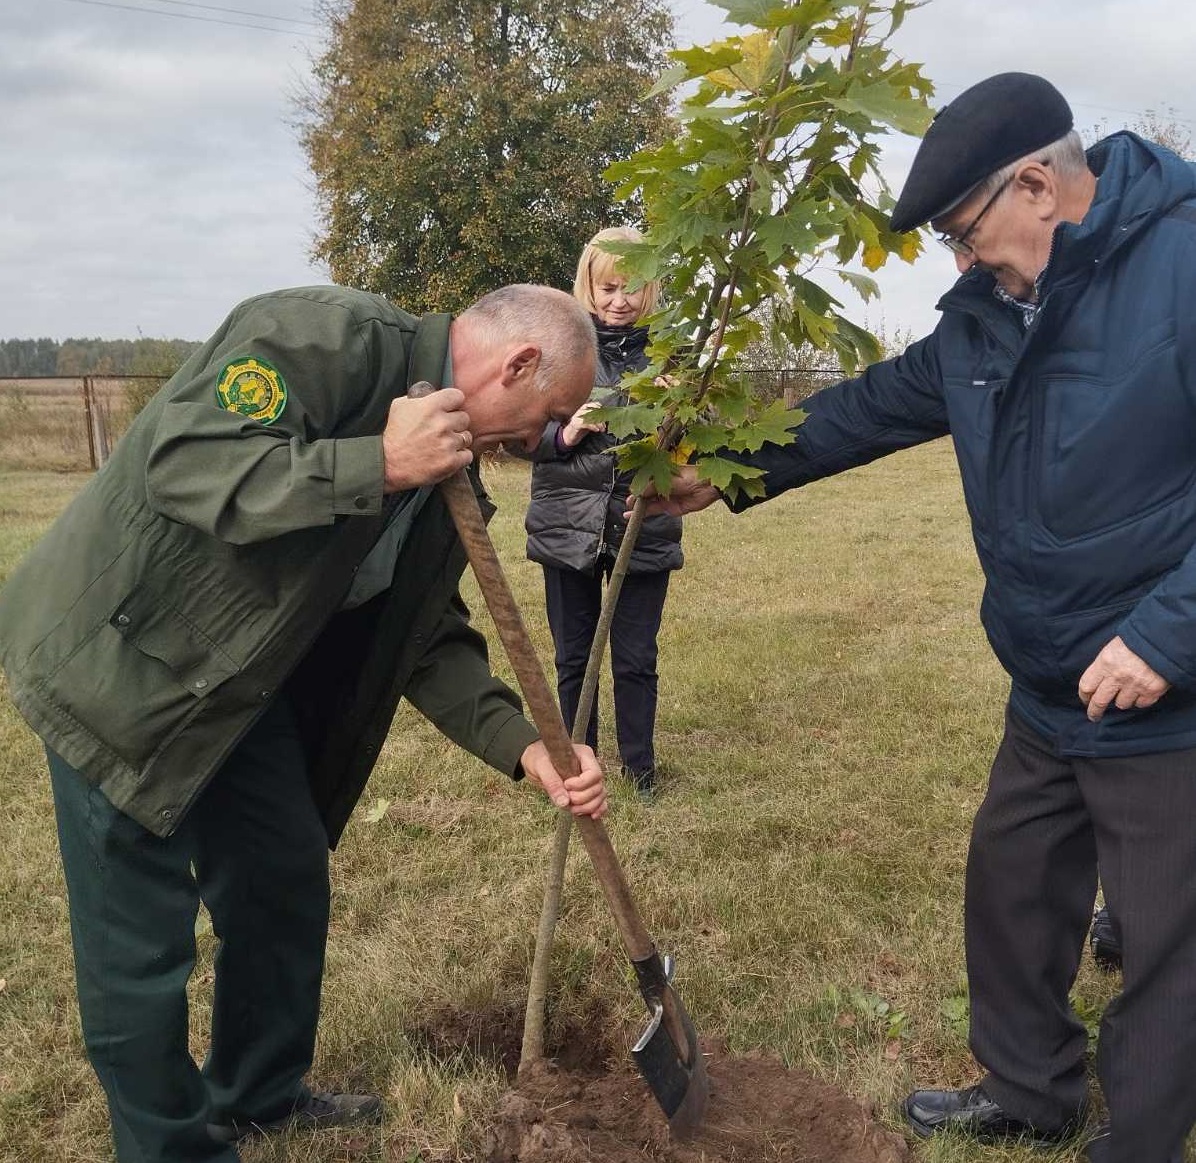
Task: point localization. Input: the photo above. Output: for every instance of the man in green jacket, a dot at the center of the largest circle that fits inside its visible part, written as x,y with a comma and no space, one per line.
212,640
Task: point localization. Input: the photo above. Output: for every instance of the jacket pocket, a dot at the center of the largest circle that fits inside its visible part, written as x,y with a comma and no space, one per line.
159,630
139,676
1079,637
1114,450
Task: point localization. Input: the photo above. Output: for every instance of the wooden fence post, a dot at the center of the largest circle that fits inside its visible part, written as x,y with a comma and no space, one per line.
788,389
91,438
97,426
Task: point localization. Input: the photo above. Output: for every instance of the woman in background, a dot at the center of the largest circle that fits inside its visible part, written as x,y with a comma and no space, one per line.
575,524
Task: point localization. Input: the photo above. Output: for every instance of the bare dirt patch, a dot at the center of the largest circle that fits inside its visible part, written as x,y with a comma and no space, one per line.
760,1110
590,1105
494,1034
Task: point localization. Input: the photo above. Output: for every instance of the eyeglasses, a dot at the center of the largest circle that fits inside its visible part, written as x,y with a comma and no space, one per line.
961,245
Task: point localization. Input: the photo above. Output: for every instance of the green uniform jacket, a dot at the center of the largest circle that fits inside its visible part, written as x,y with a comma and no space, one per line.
201,572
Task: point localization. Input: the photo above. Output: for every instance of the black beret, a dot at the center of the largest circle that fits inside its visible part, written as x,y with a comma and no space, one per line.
986,127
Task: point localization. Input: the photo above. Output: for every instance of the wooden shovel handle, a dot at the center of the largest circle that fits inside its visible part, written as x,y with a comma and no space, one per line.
462,503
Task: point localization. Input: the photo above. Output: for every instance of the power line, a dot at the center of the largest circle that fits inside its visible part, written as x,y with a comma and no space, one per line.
238,12
313,24
203,19
1160,112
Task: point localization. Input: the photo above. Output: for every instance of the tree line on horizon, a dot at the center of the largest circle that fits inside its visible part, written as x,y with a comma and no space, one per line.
93,357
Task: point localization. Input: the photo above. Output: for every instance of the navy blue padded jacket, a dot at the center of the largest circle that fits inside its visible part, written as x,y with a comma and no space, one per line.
1076,441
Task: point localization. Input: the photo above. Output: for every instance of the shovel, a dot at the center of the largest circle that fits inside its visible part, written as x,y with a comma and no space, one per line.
667,1053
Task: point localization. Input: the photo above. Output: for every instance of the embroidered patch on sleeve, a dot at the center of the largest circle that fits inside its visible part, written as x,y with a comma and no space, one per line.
253,388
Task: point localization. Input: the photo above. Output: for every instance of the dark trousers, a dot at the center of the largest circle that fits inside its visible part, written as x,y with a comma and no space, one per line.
574,601
254,850
1031,882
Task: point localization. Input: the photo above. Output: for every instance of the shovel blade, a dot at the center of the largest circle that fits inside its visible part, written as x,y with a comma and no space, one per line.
675,1075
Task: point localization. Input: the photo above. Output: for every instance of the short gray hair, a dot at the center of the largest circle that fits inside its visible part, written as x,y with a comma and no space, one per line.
1065,155
530,313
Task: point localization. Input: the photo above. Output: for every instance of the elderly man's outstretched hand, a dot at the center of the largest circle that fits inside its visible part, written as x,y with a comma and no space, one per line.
1120,678
688,495
584,794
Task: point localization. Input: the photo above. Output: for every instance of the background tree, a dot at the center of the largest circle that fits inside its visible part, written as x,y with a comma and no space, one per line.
28,357
460,144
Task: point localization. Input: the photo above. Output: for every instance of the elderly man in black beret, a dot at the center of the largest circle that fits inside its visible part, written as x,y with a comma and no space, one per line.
1064,368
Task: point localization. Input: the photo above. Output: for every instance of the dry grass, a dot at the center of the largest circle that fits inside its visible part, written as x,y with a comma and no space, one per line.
43,423
828,711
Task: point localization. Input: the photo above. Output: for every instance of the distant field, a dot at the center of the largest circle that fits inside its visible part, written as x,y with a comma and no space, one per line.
43,422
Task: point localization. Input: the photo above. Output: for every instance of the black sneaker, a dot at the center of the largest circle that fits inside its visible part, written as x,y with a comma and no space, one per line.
314,1112
1105,940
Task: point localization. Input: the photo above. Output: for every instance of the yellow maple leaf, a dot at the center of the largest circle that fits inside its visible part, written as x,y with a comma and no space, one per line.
682,453
874,257
756,67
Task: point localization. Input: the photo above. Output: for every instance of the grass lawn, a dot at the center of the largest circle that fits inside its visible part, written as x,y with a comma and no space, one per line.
828,710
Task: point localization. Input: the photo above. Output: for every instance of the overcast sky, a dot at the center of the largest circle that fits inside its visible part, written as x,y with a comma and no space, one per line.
152,176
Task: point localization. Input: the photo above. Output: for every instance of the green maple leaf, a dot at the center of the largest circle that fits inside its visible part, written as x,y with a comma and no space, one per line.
629,420
656,466
772,425
700,61
725,474
881,102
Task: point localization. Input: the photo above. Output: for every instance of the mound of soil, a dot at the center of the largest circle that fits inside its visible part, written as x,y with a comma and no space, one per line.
760,1111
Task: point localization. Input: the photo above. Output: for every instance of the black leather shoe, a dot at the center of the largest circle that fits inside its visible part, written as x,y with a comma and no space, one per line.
312,1113
971,1112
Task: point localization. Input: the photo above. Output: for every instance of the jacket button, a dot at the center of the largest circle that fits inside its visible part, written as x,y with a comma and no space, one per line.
264,695
167,814
201,684
123,619
361,503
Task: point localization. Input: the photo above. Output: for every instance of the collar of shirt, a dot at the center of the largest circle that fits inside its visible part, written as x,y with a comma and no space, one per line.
1027,308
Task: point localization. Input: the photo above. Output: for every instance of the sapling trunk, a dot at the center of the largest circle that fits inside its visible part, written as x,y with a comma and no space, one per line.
537,989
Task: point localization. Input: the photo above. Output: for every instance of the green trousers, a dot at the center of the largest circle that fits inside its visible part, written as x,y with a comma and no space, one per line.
254,851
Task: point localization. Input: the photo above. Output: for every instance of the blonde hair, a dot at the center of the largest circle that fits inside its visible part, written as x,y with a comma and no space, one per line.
596,264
